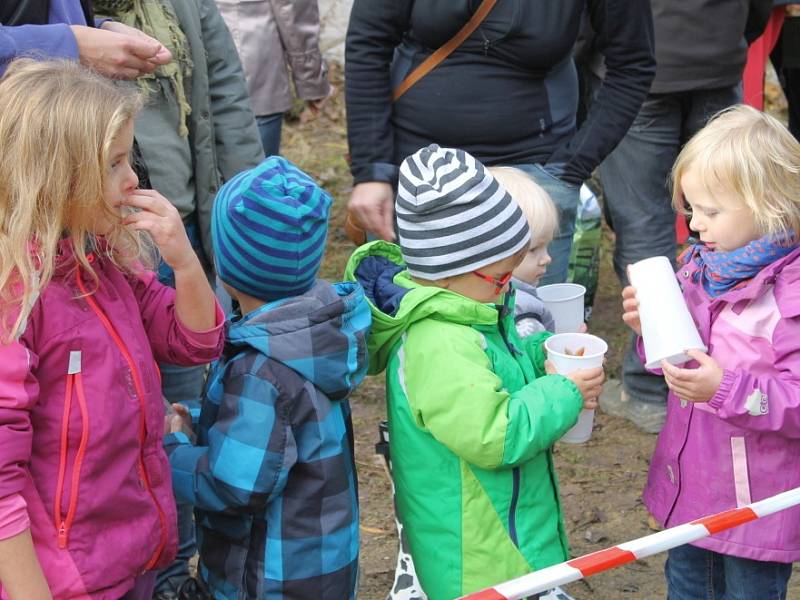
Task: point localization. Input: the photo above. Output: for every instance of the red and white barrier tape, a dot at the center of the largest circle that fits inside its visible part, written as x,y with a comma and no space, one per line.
610,558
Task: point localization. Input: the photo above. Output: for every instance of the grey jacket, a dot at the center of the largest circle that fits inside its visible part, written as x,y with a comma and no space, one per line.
272,35
223,138
530,313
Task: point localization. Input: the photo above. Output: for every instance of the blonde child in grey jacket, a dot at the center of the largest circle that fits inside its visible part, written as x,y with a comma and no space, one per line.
531,315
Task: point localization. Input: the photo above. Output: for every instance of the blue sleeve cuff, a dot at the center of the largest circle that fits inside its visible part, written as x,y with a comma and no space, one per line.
172,440
385,172
38,41
194,407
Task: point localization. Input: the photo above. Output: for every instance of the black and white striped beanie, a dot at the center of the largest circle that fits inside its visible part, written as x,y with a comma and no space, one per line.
453,217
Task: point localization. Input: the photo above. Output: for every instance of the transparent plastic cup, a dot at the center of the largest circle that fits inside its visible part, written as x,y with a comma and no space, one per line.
561,351
565,303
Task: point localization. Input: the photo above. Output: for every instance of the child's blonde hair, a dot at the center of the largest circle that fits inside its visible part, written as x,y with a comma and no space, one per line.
536,204
753,155
57,123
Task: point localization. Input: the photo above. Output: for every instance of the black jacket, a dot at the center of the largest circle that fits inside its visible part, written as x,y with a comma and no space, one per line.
702,44
33,12
508,95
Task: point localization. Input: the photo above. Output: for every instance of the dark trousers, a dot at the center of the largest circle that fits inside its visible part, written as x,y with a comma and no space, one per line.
638,203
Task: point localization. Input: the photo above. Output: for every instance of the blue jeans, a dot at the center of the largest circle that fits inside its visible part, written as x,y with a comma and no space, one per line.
269,128
697,574
637,196
565,196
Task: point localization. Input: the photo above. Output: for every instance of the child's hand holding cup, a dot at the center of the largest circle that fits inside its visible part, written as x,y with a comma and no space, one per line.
630,309
579,357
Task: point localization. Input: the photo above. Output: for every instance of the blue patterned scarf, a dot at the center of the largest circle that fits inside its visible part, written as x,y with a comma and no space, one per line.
722,271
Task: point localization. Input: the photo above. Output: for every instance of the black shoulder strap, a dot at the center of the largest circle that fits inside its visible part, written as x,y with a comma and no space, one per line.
88,12
35,12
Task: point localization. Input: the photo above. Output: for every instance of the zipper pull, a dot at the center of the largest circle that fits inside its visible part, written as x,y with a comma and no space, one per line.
140,472
62,535
486,45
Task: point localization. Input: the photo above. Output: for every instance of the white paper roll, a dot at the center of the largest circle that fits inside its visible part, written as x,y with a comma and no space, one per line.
561,349
667,326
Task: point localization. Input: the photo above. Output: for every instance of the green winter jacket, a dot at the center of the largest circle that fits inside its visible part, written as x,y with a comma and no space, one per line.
472,419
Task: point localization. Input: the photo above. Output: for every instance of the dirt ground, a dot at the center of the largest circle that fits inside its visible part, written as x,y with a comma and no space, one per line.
601,481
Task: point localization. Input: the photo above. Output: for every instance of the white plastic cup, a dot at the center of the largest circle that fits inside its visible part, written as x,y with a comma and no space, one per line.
594,352
667,326
565,303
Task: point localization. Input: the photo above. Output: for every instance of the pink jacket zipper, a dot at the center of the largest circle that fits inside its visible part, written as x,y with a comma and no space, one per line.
64,522
142,423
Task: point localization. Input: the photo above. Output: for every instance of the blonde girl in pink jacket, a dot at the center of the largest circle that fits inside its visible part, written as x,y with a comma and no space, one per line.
86,509
732,432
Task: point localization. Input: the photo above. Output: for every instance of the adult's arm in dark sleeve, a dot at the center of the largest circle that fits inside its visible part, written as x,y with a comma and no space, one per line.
625,38
758,15
376,28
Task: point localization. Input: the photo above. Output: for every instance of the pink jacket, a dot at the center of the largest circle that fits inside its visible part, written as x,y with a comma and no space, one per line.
744,444
81,425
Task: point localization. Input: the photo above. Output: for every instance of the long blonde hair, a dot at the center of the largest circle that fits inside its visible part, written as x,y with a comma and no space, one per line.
57,123
753,155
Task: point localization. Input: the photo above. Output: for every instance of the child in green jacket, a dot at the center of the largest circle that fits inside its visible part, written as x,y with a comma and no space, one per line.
472,412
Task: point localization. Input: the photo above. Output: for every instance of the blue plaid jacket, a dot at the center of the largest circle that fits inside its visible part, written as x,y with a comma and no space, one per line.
272,476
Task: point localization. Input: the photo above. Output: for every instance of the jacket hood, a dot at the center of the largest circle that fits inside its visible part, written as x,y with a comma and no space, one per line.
397,301
783,274
320,334
529,305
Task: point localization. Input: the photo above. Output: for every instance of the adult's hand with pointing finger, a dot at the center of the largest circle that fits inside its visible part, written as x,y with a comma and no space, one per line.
118,51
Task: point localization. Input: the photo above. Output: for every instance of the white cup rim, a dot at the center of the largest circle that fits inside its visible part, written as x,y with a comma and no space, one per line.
585,356
579,291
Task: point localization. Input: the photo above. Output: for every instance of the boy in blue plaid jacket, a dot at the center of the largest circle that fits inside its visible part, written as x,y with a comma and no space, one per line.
272,473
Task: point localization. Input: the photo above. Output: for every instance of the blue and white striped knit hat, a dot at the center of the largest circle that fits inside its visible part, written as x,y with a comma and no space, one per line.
268,229
453,217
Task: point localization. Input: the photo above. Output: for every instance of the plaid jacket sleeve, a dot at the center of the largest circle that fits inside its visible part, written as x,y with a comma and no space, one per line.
250,449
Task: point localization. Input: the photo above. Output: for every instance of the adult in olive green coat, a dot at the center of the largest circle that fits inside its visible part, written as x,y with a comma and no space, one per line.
198,129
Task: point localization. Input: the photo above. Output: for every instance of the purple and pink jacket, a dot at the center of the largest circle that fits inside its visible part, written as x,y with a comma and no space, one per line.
743,445
81,426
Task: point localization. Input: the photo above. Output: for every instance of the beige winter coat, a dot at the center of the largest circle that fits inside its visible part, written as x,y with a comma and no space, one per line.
270,36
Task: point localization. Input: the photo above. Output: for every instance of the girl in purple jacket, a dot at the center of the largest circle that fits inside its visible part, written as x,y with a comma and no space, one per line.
732,433
86,507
